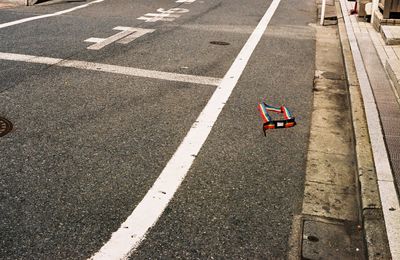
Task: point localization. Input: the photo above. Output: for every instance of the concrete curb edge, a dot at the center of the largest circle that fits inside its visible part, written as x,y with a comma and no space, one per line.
21,2
375,236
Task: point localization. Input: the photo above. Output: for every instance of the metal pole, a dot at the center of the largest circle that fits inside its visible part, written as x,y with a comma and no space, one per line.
323,12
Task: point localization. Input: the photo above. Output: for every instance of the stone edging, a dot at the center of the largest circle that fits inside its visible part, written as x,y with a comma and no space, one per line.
371,211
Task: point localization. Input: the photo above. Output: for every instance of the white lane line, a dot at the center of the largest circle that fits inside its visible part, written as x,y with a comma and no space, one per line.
24,20
111,69
387,189
128,237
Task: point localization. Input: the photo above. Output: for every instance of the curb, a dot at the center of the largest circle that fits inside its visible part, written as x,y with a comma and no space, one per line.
20,2
393,70
376,240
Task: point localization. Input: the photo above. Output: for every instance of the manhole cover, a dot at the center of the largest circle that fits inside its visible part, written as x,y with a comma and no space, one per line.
5,126
331,241
219,43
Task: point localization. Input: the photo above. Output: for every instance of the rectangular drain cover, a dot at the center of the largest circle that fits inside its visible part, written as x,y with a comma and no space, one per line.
331,241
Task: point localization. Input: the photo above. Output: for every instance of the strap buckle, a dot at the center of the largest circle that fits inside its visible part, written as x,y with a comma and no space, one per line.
289,120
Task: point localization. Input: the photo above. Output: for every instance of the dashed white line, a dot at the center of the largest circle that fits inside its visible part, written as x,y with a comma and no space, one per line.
128,237
24,20
111,69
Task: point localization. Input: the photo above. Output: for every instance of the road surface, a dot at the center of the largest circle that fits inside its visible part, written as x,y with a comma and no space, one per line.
103,94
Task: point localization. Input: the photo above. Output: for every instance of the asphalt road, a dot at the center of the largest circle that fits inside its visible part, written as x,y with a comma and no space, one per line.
87,145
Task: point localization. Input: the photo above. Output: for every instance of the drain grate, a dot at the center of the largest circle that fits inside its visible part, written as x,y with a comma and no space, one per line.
5,126
219,43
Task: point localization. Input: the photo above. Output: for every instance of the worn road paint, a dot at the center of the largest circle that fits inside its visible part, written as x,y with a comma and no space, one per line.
185,1
101,44
94,40
127,35
163,15
387,189
138,33
128,237
111,69
4,25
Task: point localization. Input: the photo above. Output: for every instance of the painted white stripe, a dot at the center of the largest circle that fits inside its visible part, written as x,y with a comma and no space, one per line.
24,20
127,35
138,33
128,237
112,69
387,190
94,40
185,1
109,40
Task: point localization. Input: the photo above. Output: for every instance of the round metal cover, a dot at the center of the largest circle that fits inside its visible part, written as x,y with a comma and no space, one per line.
219,43
5,126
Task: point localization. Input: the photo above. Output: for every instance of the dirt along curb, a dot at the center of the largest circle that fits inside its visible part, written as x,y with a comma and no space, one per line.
371,209
329,226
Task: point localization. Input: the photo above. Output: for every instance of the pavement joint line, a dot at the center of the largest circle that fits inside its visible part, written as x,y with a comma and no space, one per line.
133,231
24,20
101,67
387,188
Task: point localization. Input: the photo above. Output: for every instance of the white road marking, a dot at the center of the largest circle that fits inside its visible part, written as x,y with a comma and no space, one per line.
127,35
112,69
138,33
118,36
163,15
387,189
95,40
4,25
128,237
185,1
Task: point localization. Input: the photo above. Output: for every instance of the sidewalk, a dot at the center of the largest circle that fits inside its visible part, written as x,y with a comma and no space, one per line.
11,3
377,68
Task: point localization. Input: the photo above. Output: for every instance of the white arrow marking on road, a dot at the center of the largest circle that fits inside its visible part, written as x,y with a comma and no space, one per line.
127,35
163,15
132,232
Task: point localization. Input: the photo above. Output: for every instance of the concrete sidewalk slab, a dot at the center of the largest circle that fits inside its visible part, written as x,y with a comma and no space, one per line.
391,34
381,106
